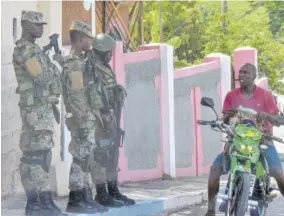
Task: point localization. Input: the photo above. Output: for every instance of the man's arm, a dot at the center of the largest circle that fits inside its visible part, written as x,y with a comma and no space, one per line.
276,120
72,82
228,110
26,56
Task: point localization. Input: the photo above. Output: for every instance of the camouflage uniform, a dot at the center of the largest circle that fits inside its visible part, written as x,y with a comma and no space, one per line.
108,132
80,122
39,88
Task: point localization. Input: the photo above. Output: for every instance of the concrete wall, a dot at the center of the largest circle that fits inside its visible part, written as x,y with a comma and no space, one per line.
141,157
11,121
196,146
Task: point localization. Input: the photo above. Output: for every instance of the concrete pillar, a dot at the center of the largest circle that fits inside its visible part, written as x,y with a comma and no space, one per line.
242,56
93,17
226,75
167,100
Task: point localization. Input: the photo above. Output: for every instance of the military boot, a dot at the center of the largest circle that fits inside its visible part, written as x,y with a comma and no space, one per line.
210,213
33,204
76,204
89,200
115,193
48,206
105,199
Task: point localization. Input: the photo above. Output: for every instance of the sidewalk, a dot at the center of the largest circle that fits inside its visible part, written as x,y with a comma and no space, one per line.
152,197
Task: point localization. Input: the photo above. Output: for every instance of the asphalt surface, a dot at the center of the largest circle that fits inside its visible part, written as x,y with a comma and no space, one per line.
276,208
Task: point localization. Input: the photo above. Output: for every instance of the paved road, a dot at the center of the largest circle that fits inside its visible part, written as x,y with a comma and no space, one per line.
275,209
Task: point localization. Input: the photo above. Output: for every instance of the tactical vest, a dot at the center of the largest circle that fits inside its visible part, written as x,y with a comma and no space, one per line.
82,115
35,89
108,79
93,81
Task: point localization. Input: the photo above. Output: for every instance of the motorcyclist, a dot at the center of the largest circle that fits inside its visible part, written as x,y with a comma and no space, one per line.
253,97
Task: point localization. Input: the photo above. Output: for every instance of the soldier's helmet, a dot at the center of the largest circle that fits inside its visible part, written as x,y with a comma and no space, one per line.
103,43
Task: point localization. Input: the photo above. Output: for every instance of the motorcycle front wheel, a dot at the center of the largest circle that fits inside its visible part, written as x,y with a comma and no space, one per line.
259,211
240,196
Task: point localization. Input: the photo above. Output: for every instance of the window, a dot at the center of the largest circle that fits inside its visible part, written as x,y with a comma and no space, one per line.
14,29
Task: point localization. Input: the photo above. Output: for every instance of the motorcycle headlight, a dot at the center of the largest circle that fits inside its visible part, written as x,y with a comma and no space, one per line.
250,149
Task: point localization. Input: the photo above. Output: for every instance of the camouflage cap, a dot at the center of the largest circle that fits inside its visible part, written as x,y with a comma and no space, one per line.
81,27
33,17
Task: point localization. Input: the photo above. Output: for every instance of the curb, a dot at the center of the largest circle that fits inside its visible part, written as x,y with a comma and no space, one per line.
281,156
155,207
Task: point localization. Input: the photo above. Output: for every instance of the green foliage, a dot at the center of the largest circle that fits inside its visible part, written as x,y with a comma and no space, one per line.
194,29
279,87
276,15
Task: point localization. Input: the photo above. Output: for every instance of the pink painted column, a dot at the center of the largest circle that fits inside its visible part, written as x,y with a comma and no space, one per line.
148,47
224,86
242,56
262,82
226,75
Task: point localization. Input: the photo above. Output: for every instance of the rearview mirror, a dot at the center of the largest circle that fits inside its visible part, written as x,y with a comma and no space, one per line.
205,101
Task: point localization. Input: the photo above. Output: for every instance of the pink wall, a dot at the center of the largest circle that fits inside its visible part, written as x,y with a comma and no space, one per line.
119,61
197,167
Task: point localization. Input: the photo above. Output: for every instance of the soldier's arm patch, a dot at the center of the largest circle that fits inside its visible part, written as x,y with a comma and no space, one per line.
77,80
33,67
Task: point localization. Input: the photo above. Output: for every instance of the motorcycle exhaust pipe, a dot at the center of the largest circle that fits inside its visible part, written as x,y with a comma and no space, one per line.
225,197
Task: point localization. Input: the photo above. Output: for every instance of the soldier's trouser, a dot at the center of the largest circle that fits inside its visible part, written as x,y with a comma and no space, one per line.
102,154
33,177
112,168
34,166
79,177
99,170
111,153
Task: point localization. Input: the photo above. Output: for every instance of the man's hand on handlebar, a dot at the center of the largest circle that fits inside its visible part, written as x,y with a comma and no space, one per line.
275,120
228,114
262,116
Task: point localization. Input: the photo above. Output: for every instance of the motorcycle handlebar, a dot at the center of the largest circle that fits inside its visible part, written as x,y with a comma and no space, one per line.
274,138
228,129
202,122
217,124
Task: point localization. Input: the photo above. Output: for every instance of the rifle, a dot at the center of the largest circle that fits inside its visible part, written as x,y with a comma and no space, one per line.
120,133
118,142
53,43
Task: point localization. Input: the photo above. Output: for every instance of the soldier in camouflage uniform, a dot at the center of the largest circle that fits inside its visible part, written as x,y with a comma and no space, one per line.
80,121
39,88
108,132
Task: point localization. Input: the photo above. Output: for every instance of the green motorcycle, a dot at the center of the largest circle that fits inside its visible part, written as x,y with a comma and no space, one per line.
249,181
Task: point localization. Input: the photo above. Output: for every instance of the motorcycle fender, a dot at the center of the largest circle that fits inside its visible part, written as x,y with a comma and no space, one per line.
241,168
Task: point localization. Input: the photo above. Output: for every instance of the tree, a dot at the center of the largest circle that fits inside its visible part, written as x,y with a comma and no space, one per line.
276,15
182,28
195,30
250,30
